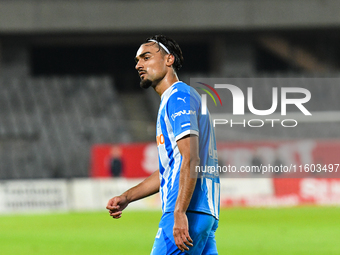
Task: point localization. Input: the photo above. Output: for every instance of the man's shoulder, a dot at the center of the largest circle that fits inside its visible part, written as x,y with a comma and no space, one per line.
182,89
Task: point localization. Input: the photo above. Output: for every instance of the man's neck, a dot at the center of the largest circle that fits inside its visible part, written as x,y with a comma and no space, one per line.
165,83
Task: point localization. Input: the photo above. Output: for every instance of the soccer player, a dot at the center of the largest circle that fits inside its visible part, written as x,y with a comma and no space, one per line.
185,139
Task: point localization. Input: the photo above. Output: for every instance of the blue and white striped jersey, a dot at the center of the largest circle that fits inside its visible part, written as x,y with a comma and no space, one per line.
179,115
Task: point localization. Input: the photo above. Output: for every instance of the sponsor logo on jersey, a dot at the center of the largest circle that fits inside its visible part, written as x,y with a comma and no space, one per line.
160,139
184,112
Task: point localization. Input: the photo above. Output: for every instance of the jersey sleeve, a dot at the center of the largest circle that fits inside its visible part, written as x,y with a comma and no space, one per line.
182,111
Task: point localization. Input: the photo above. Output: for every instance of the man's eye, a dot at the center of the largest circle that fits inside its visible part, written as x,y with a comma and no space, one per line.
146,58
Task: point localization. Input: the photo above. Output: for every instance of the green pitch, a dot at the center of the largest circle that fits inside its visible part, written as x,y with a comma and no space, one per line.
304,230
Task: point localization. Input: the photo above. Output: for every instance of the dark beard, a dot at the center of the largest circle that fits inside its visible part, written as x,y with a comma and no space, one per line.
145,84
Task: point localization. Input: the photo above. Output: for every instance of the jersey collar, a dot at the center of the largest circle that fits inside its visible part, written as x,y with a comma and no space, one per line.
168,90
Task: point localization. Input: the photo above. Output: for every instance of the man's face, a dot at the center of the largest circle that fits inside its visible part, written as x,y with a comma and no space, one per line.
151,64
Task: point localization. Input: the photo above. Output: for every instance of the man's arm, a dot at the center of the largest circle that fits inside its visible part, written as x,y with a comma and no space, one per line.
146,188
188,147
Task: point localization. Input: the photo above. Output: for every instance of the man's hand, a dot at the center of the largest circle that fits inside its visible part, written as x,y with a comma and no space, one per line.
116,205
181,231
146,188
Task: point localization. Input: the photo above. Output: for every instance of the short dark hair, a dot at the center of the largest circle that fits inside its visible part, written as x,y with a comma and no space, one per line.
172,46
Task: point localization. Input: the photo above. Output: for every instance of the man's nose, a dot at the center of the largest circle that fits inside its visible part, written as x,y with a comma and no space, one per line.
138,66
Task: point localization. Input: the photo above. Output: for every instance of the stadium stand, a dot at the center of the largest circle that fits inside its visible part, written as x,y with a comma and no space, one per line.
49,124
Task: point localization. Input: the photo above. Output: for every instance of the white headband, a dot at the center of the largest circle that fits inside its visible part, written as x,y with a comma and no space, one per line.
162,45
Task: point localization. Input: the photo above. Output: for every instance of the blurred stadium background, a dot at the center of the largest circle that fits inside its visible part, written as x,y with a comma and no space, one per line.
76,129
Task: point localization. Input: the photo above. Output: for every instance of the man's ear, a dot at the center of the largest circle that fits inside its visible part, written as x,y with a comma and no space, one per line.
170,60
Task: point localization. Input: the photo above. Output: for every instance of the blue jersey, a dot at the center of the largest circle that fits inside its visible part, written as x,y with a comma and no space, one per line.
180,115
